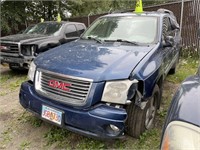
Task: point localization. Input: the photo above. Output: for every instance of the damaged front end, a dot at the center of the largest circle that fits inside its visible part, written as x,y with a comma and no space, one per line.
16,55
124,92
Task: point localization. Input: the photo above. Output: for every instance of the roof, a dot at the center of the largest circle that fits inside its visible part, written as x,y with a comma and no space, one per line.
159,13
154,13
62,22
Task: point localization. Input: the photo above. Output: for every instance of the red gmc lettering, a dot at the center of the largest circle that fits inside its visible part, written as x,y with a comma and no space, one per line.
59,85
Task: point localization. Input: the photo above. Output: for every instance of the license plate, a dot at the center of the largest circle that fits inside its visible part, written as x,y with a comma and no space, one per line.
51,114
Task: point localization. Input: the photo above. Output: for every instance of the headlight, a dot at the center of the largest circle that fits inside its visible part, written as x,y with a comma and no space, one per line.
117,91
31,71
181,135
28,50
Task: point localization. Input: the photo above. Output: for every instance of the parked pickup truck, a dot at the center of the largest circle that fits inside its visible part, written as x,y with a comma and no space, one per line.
19,50
110,80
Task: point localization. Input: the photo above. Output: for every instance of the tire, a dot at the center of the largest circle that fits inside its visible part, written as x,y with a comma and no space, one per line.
16,69
140,120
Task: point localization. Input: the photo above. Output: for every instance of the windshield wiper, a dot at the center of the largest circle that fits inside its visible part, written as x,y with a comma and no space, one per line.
96,39
121,40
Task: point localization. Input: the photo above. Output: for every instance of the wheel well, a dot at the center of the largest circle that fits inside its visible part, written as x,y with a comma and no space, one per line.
141,87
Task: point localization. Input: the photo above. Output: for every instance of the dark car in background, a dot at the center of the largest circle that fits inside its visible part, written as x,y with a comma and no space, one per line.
182,125
19,50
27,29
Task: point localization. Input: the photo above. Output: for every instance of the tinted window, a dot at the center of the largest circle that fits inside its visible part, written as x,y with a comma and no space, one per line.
80,28
167,28
47,28
71,31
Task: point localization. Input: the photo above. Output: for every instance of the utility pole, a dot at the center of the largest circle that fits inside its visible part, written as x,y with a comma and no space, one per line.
181,20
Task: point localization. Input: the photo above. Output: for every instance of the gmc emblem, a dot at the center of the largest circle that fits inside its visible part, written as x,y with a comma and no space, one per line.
59,85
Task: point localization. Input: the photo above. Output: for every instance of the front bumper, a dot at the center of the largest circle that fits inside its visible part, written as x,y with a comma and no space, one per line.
93,122
18,60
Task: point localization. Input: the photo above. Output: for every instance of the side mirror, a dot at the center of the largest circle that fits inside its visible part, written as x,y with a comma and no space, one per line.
198,33
168,41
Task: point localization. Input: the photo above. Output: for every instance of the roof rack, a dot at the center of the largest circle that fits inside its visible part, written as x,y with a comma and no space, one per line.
162,10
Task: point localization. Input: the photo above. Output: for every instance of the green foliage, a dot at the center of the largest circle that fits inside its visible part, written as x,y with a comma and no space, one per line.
18,14
56,134
190,52
5,136
185,68
24,145
11,81
29,118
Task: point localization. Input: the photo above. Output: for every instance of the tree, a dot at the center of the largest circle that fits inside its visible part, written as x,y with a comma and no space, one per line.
11,15
16,15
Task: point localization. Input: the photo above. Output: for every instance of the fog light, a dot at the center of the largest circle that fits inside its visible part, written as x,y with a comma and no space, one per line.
114,128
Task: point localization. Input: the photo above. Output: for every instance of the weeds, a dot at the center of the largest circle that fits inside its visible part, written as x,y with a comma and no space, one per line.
24,145
6,137
184,69
10,81
56,134
29,118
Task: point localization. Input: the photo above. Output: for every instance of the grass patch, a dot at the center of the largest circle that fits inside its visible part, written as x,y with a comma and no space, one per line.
6,136
24,145
64,139
3,93
10,81
29,118
10,75
90,144
185,68
56,134
17,82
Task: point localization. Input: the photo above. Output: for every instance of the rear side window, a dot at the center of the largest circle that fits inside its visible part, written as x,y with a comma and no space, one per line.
167,28
70,31
80,28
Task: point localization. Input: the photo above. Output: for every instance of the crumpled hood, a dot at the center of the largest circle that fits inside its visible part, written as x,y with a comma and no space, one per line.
91,60
24,38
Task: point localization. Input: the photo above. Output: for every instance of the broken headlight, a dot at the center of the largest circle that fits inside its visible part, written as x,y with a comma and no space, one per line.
117,91
31,71
28,50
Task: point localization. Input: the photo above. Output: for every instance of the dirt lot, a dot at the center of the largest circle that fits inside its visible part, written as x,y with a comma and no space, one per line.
21,130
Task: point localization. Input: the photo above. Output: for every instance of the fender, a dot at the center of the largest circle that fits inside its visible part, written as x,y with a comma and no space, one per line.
44,46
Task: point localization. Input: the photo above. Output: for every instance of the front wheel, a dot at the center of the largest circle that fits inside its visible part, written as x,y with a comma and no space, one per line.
17,68
139,119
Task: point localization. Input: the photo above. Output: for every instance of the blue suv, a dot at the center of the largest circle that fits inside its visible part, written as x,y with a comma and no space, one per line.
110,80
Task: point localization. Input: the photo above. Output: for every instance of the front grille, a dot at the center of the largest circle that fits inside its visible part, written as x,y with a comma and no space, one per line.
12,48
49,84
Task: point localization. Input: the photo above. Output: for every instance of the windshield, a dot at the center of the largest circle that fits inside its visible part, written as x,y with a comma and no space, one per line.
137,29
45,28
28,29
